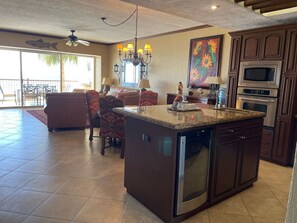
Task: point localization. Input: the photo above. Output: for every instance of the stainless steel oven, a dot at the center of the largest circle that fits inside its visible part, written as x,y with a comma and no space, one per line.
263,100
260,74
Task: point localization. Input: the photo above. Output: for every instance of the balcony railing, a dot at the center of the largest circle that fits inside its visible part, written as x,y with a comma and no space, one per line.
12,93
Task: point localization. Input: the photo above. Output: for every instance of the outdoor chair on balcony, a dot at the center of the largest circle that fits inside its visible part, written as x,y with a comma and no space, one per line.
112,124
31,93
92,97
5,95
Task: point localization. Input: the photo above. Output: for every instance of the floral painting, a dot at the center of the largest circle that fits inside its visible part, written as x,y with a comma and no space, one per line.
204,60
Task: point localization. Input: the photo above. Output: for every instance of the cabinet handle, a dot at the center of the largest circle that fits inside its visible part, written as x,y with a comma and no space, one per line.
242,137
231,130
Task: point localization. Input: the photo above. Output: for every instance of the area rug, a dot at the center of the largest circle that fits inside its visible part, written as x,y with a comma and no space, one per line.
39,114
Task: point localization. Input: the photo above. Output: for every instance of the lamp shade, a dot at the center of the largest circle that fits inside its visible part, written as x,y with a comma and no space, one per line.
106,81
213,80
144,83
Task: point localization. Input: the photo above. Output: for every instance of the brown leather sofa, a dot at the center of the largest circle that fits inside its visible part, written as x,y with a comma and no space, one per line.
66,110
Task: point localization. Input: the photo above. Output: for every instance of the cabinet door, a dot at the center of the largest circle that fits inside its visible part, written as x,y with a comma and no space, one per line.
251,44
232,90
283,130
250,150
235,54
290,63
266,144
227,146
273,45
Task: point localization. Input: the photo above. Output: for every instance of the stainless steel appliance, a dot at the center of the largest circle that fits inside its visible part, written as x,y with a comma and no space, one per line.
260,74
193,170
263,100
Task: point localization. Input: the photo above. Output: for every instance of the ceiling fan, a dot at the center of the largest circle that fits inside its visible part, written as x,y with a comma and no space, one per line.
74,41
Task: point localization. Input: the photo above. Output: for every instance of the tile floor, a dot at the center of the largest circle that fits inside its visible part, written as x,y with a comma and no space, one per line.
60,177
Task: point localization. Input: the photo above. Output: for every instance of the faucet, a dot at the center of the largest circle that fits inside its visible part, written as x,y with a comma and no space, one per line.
217,105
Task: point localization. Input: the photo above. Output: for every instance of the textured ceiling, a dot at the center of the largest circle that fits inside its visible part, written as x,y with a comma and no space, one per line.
56,17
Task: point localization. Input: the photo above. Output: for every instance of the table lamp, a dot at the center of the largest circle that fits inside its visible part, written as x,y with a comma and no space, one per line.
106,82
143,84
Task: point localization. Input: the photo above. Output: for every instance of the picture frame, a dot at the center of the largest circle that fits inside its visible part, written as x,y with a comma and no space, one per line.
204,60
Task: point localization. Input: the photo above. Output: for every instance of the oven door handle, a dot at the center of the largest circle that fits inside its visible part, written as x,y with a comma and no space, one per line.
256,99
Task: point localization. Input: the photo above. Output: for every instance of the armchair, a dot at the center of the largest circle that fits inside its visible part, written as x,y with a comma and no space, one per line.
112,125
148,98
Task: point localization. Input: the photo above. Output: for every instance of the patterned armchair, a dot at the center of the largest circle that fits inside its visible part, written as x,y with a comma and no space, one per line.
93,108
148,98
112,124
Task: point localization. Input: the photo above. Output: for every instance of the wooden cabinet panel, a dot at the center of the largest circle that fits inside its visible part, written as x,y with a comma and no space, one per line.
273,45
251,47
290,65
287,95
266,145
263,45
232,89
237,145
281,141
225,167
235,54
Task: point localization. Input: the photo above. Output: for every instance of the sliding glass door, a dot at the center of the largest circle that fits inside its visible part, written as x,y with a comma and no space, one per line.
26,77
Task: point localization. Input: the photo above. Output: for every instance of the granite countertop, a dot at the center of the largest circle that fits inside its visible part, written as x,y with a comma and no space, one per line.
159,114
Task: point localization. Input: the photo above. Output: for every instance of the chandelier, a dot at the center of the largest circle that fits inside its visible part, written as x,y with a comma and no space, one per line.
131,53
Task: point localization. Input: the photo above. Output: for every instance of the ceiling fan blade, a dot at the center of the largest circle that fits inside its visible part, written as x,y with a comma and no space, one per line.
83,42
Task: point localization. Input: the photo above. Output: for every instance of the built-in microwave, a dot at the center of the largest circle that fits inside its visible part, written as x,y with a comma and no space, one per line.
260,74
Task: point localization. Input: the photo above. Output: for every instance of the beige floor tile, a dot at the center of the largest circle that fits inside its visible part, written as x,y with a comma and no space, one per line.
229,218
99,210
136,212
111,187
12,164
259,189
5,192
64,169
36,166
233,205
267,220
7,217
60,206
27,154
201,217
79,186
264,207
16,179
34,219
46,183
23,202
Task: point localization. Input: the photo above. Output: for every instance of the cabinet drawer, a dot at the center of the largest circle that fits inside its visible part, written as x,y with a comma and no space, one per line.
227,133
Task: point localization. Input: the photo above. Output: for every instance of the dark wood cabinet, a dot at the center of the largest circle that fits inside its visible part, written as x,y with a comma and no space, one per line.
236,157
277,43
263,45
267,142
190,99
290,62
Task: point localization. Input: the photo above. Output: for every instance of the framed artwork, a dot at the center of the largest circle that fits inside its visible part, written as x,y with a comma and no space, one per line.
204,60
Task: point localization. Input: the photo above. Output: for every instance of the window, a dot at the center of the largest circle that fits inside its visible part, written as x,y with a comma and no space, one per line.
131,74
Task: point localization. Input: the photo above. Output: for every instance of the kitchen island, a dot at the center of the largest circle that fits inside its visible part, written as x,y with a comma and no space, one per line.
164,149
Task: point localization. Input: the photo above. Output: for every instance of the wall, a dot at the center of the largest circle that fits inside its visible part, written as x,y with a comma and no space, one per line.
170,59
101,51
